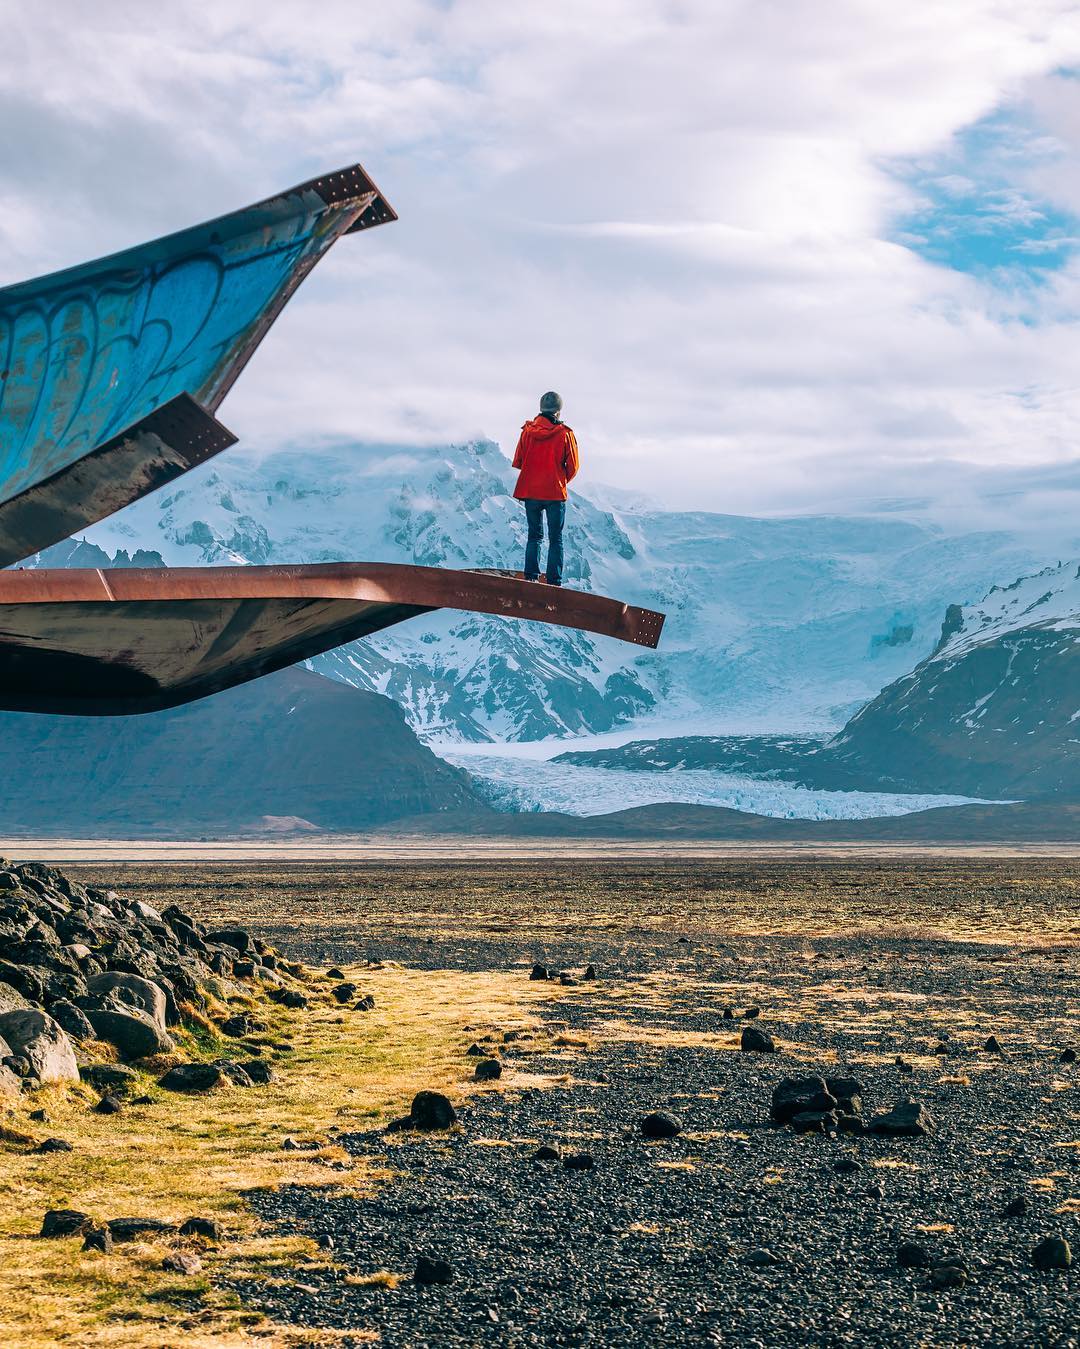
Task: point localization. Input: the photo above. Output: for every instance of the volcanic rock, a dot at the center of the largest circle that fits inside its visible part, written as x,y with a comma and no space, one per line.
73,1019
193,1077
908,1119
64,1222
37,1037
431,1110
1052,1253
661,1124
756,1041
431,1270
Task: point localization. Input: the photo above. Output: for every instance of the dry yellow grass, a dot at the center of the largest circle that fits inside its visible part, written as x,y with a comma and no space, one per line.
189,1155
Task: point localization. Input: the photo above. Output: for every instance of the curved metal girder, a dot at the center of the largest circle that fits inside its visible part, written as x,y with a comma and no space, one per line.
98,643
91,355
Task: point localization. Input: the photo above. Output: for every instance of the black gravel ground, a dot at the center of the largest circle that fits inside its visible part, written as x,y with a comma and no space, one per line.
734,1233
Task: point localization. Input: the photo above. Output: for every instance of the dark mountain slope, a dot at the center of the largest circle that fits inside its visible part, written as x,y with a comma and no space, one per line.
292,744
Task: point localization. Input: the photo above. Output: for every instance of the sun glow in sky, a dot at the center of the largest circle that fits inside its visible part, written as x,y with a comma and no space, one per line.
775,255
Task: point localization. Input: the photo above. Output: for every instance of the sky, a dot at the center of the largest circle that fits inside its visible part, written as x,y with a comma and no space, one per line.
780,255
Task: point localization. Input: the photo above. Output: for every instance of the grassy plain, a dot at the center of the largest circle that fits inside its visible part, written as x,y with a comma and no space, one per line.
444,946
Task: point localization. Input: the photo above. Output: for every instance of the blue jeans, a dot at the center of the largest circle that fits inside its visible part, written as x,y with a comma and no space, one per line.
556,517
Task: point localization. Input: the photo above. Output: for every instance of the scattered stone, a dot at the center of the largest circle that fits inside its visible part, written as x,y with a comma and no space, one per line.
580,1161
875,1192
547,1152
431,1270
73,1019
993,1045
364,1004
848,1092
567,979
64,1222
432,1110
1018,1207
798,1095
538,972
950,1274
761,1258
114,1077
40,1116
908,1119
38,1038
98,1239
243,969
127,1229
235,1072
258,1072
847,1166
11,1000
661,1124
814,1121
109,1105
209,1228
234,937
182,1263
729,1014
235,1026
1067,1056
334,973
291,998
751,1013
1052,1253
193,1077
345,992
756,1041
476,1051
912,1255
128,1012
590,973
488,1070
54,1145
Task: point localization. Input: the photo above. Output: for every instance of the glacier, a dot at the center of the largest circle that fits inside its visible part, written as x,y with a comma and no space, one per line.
515,783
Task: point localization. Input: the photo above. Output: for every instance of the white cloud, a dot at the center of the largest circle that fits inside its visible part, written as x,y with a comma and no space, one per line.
677,213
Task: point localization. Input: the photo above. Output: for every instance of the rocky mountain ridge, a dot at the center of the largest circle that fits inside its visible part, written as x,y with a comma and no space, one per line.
992,712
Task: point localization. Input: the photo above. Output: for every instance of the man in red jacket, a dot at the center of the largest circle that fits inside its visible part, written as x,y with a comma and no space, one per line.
547,455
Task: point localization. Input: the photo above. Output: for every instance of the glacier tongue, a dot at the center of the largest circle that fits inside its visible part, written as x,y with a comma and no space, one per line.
515,784
774,624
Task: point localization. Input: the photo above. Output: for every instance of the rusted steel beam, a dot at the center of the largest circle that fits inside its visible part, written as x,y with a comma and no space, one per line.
137,640
88,355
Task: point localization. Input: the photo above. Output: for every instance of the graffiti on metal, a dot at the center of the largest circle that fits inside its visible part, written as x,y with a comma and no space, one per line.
89,353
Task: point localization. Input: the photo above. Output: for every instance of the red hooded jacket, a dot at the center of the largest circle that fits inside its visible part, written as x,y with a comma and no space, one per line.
547,455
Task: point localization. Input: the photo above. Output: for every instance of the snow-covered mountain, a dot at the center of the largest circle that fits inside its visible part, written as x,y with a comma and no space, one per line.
995,709
774,624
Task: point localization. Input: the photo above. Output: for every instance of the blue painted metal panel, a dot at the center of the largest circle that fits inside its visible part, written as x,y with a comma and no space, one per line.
89,352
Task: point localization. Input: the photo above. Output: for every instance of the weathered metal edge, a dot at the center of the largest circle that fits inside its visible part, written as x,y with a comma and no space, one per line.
328,187
177,436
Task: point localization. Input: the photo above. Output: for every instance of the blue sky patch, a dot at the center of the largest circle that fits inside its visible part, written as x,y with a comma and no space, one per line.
976,211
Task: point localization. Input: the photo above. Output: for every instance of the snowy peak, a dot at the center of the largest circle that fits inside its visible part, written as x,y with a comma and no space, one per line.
1049,599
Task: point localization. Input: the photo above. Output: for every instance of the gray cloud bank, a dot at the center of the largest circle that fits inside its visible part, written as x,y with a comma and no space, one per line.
679,212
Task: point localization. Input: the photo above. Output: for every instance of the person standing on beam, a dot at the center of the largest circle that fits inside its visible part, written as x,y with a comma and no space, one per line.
547,456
